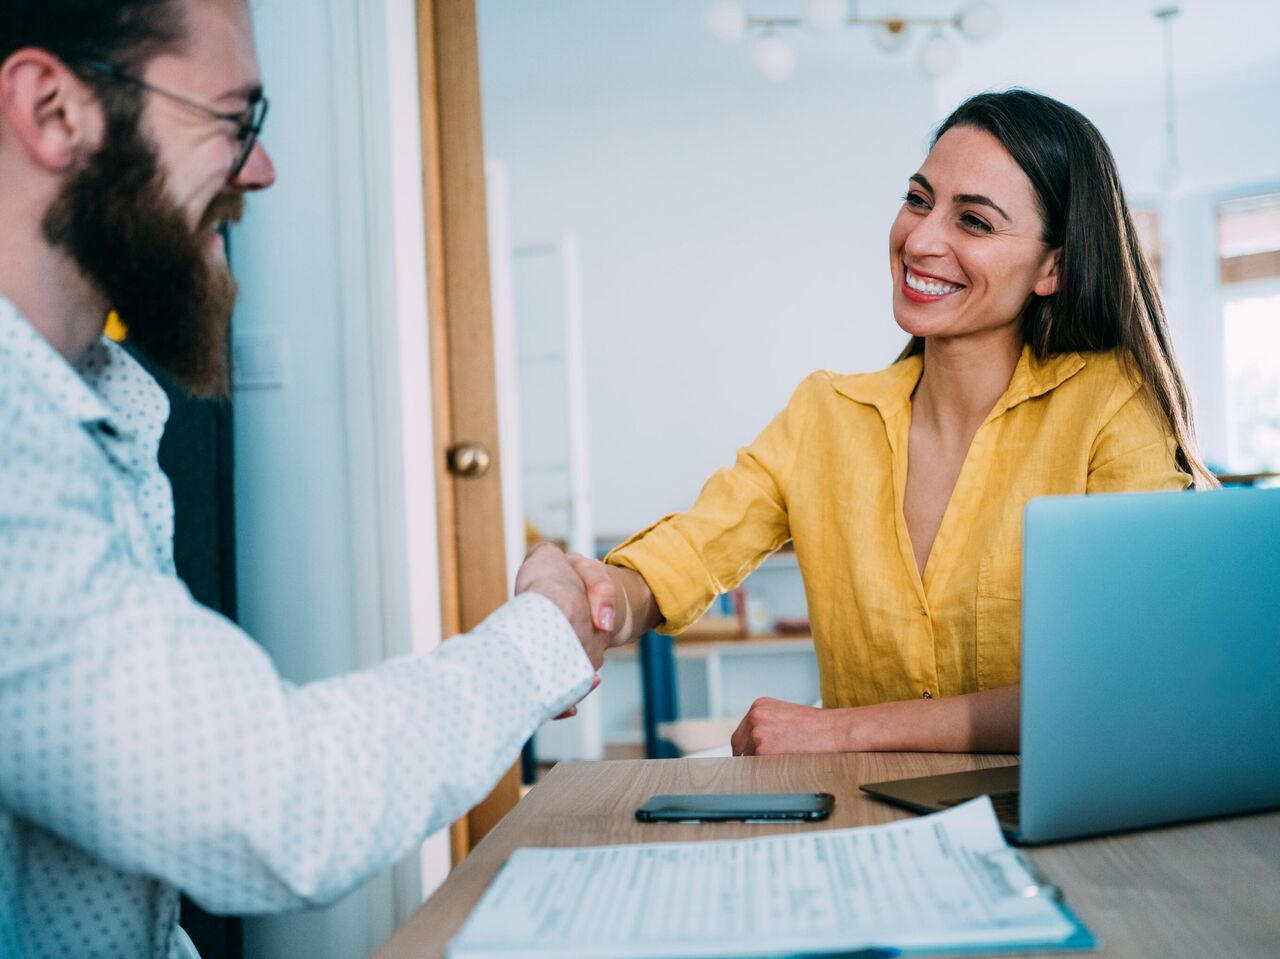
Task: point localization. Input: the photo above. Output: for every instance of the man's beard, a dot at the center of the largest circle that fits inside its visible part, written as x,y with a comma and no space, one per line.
115,218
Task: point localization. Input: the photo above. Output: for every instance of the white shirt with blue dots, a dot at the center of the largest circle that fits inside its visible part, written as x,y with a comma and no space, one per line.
147,745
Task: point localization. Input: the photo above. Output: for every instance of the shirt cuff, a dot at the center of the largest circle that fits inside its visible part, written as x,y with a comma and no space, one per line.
673,571
558,666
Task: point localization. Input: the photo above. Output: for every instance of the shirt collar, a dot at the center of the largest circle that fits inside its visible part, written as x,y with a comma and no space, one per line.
111,395
1033,377
890,389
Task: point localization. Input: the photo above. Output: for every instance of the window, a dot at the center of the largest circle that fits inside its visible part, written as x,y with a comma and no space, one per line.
1249,239
1252,351
1249,271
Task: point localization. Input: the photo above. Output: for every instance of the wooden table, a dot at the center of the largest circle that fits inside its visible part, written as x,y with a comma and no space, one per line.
1195,891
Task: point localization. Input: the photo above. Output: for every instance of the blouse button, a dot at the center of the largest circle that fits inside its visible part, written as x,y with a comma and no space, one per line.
927,694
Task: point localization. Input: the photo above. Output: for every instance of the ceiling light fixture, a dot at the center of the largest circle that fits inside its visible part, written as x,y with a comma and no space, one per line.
1169,175
775,57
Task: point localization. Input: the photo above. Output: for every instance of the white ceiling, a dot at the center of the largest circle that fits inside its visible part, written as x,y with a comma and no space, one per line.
1080,44
1048,44
1118,44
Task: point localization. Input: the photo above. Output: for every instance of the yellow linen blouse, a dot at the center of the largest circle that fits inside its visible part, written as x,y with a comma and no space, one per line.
829,473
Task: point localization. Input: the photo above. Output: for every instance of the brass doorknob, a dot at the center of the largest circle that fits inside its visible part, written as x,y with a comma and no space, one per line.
469,459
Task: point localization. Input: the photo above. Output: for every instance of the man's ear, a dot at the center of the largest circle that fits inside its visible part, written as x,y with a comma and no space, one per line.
1047,282
50,111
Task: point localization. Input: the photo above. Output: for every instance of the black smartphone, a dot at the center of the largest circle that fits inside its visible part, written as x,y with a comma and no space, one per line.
744,807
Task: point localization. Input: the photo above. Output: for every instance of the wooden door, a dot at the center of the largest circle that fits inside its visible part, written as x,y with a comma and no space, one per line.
464,395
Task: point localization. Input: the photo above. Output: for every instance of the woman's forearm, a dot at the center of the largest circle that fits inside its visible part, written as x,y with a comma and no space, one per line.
637,611
985,722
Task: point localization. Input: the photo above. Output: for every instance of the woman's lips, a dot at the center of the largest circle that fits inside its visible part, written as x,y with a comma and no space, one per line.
922,288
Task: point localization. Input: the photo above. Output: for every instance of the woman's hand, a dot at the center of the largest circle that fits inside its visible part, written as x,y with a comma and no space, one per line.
602,594
772,727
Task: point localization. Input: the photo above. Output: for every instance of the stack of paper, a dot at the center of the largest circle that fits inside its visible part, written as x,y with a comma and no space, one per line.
932,884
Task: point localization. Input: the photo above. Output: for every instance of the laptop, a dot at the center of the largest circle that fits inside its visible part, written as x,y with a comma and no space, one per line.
1150,667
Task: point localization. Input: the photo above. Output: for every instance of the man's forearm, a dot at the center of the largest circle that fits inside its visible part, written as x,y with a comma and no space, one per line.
985,722
241,777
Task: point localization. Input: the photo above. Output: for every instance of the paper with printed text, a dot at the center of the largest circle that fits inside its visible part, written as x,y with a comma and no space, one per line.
946,880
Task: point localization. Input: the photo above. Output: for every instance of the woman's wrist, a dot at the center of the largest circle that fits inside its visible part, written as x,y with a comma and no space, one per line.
635,607
873,729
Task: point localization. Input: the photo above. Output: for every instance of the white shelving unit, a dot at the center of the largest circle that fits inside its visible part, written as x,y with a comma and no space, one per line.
715,680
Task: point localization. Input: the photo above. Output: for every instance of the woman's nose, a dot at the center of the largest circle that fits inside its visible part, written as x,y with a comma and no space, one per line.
927,236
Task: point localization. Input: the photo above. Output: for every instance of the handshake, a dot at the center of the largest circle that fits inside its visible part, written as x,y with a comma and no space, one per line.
612,605
605,605
584,591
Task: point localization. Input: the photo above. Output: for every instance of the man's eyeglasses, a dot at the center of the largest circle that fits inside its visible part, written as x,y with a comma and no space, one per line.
247,122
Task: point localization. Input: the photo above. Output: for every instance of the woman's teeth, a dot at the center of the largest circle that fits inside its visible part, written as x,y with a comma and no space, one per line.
931,287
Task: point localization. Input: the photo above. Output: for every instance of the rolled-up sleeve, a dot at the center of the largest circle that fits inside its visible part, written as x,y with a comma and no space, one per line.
739,518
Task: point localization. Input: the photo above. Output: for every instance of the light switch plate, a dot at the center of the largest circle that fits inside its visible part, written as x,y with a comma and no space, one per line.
257,361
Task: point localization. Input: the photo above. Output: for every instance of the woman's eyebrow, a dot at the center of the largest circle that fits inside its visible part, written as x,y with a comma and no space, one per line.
982,201
977,198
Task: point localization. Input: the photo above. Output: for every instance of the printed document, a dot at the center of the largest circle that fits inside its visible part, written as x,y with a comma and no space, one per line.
934,882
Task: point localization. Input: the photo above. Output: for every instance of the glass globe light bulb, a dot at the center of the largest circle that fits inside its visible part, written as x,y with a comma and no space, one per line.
978,21
826,15
891,36
938,55
774,57
727,21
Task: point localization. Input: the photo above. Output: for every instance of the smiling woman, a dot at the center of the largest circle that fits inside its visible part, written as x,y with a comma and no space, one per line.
1039,364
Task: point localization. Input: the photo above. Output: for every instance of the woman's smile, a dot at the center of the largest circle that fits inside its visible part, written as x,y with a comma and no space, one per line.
924,288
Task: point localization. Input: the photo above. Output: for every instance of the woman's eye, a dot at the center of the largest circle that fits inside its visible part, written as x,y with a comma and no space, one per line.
976,224
914,200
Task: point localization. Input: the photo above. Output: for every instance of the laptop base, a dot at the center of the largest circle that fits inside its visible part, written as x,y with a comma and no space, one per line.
935,793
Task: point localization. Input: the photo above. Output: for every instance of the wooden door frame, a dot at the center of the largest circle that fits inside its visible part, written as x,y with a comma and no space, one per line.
473,576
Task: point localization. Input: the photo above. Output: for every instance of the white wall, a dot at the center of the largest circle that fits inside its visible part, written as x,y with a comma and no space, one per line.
334,483
734,232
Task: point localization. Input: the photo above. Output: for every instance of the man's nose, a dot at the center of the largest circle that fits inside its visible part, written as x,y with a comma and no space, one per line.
258,172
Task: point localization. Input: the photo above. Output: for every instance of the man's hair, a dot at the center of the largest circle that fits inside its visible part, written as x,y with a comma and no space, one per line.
126,33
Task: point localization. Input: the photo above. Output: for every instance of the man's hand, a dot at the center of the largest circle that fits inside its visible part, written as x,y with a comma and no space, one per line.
772,727
548,571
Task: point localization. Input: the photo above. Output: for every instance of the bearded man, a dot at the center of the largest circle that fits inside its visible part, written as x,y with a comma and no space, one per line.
147,745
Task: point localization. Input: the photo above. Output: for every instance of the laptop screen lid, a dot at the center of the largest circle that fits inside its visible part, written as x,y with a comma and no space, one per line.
1150,659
